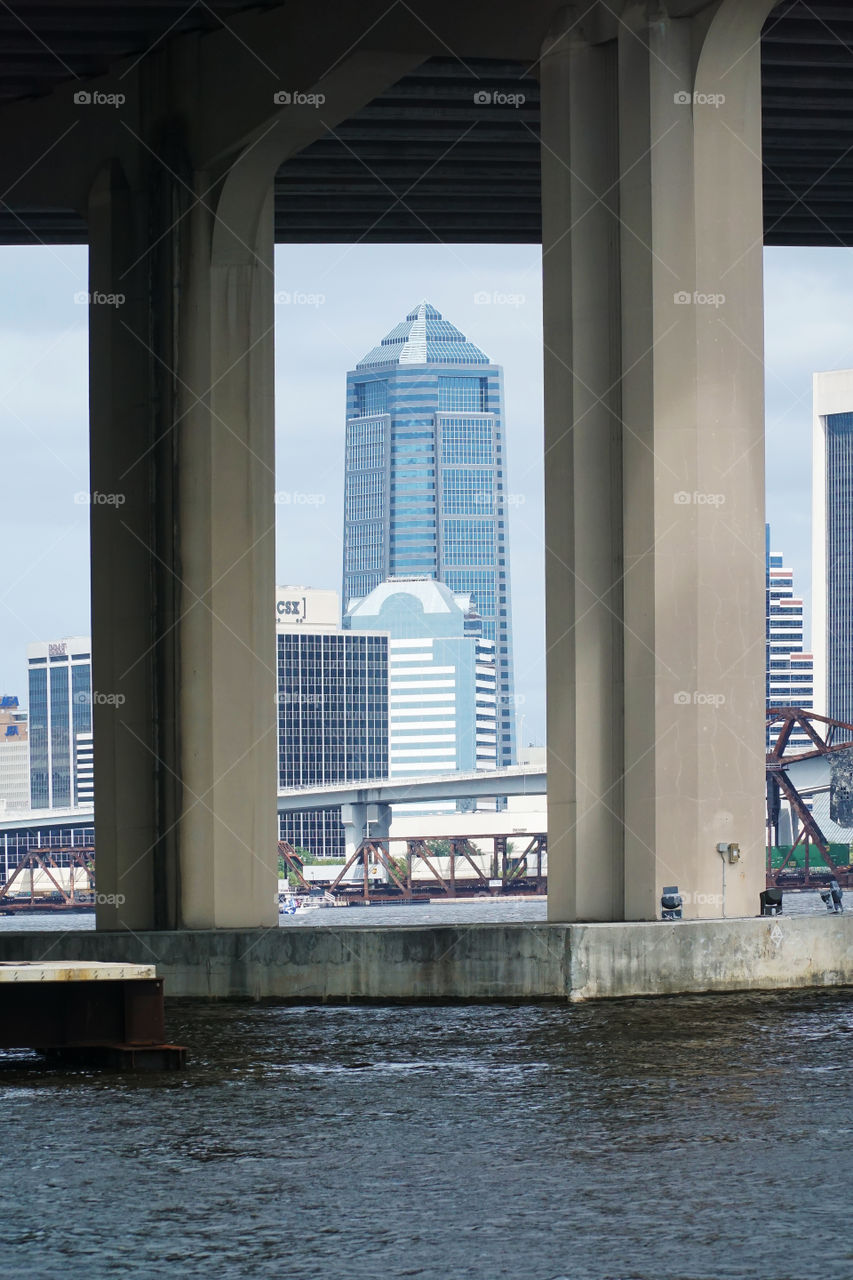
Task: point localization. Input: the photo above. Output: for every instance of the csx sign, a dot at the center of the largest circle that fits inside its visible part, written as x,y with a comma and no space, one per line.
293,609
298,606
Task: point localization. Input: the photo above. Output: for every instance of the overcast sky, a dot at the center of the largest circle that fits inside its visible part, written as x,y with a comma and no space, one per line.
365,291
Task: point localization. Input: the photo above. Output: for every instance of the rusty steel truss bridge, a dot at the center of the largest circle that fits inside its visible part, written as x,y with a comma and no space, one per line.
828,738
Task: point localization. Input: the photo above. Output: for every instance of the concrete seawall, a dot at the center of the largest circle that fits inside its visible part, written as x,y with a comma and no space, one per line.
481,962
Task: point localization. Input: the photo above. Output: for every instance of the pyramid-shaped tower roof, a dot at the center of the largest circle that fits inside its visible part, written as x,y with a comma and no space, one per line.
424,337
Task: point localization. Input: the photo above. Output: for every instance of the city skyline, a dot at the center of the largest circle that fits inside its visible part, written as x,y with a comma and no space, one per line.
43,360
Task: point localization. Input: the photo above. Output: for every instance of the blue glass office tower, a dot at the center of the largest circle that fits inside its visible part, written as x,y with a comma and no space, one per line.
832,544
425,489
60,690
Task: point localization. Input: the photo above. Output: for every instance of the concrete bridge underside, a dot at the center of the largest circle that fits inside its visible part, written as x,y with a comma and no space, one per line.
652,224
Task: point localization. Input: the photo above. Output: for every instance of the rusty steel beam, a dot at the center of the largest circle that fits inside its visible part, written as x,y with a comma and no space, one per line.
416,850
380,850
292,859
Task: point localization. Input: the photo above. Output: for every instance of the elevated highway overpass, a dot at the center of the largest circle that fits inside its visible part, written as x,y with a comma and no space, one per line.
366,806
519,781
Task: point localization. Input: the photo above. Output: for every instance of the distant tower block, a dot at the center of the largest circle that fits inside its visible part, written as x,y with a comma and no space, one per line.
426,479
832,543
790,670
60,688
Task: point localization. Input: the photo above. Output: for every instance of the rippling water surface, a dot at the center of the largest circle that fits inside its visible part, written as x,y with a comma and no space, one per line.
696,1138
463,911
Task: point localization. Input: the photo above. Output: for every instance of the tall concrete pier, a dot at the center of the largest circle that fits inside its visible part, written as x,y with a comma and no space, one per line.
654,421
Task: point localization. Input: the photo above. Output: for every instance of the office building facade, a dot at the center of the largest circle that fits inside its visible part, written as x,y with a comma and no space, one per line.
790,669
425,481
443,685
832,543
60,716
14,756
332,710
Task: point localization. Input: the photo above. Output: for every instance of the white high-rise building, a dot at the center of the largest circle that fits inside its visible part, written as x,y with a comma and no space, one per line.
84,754
443,686
790,670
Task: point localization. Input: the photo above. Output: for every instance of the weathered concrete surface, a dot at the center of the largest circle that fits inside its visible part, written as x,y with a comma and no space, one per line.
477,962
662,958
481,962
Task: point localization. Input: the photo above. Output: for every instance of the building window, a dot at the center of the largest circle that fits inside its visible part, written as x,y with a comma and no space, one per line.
463,394
467,491
468,542
365,445
467,440
371,398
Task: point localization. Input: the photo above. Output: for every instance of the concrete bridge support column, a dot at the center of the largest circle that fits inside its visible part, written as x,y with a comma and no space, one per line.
353,818
379,821
182,451
362,821
183,569
652,231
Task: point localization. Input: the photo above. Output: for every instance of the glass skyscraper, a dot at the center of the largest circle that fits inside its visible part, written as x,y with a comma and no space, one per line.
425,489
60,724
832,543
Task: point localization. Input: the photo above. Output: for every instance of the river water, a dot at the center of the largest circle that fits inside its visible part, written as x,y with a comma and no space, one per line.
460,911
701,1138
690,1138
